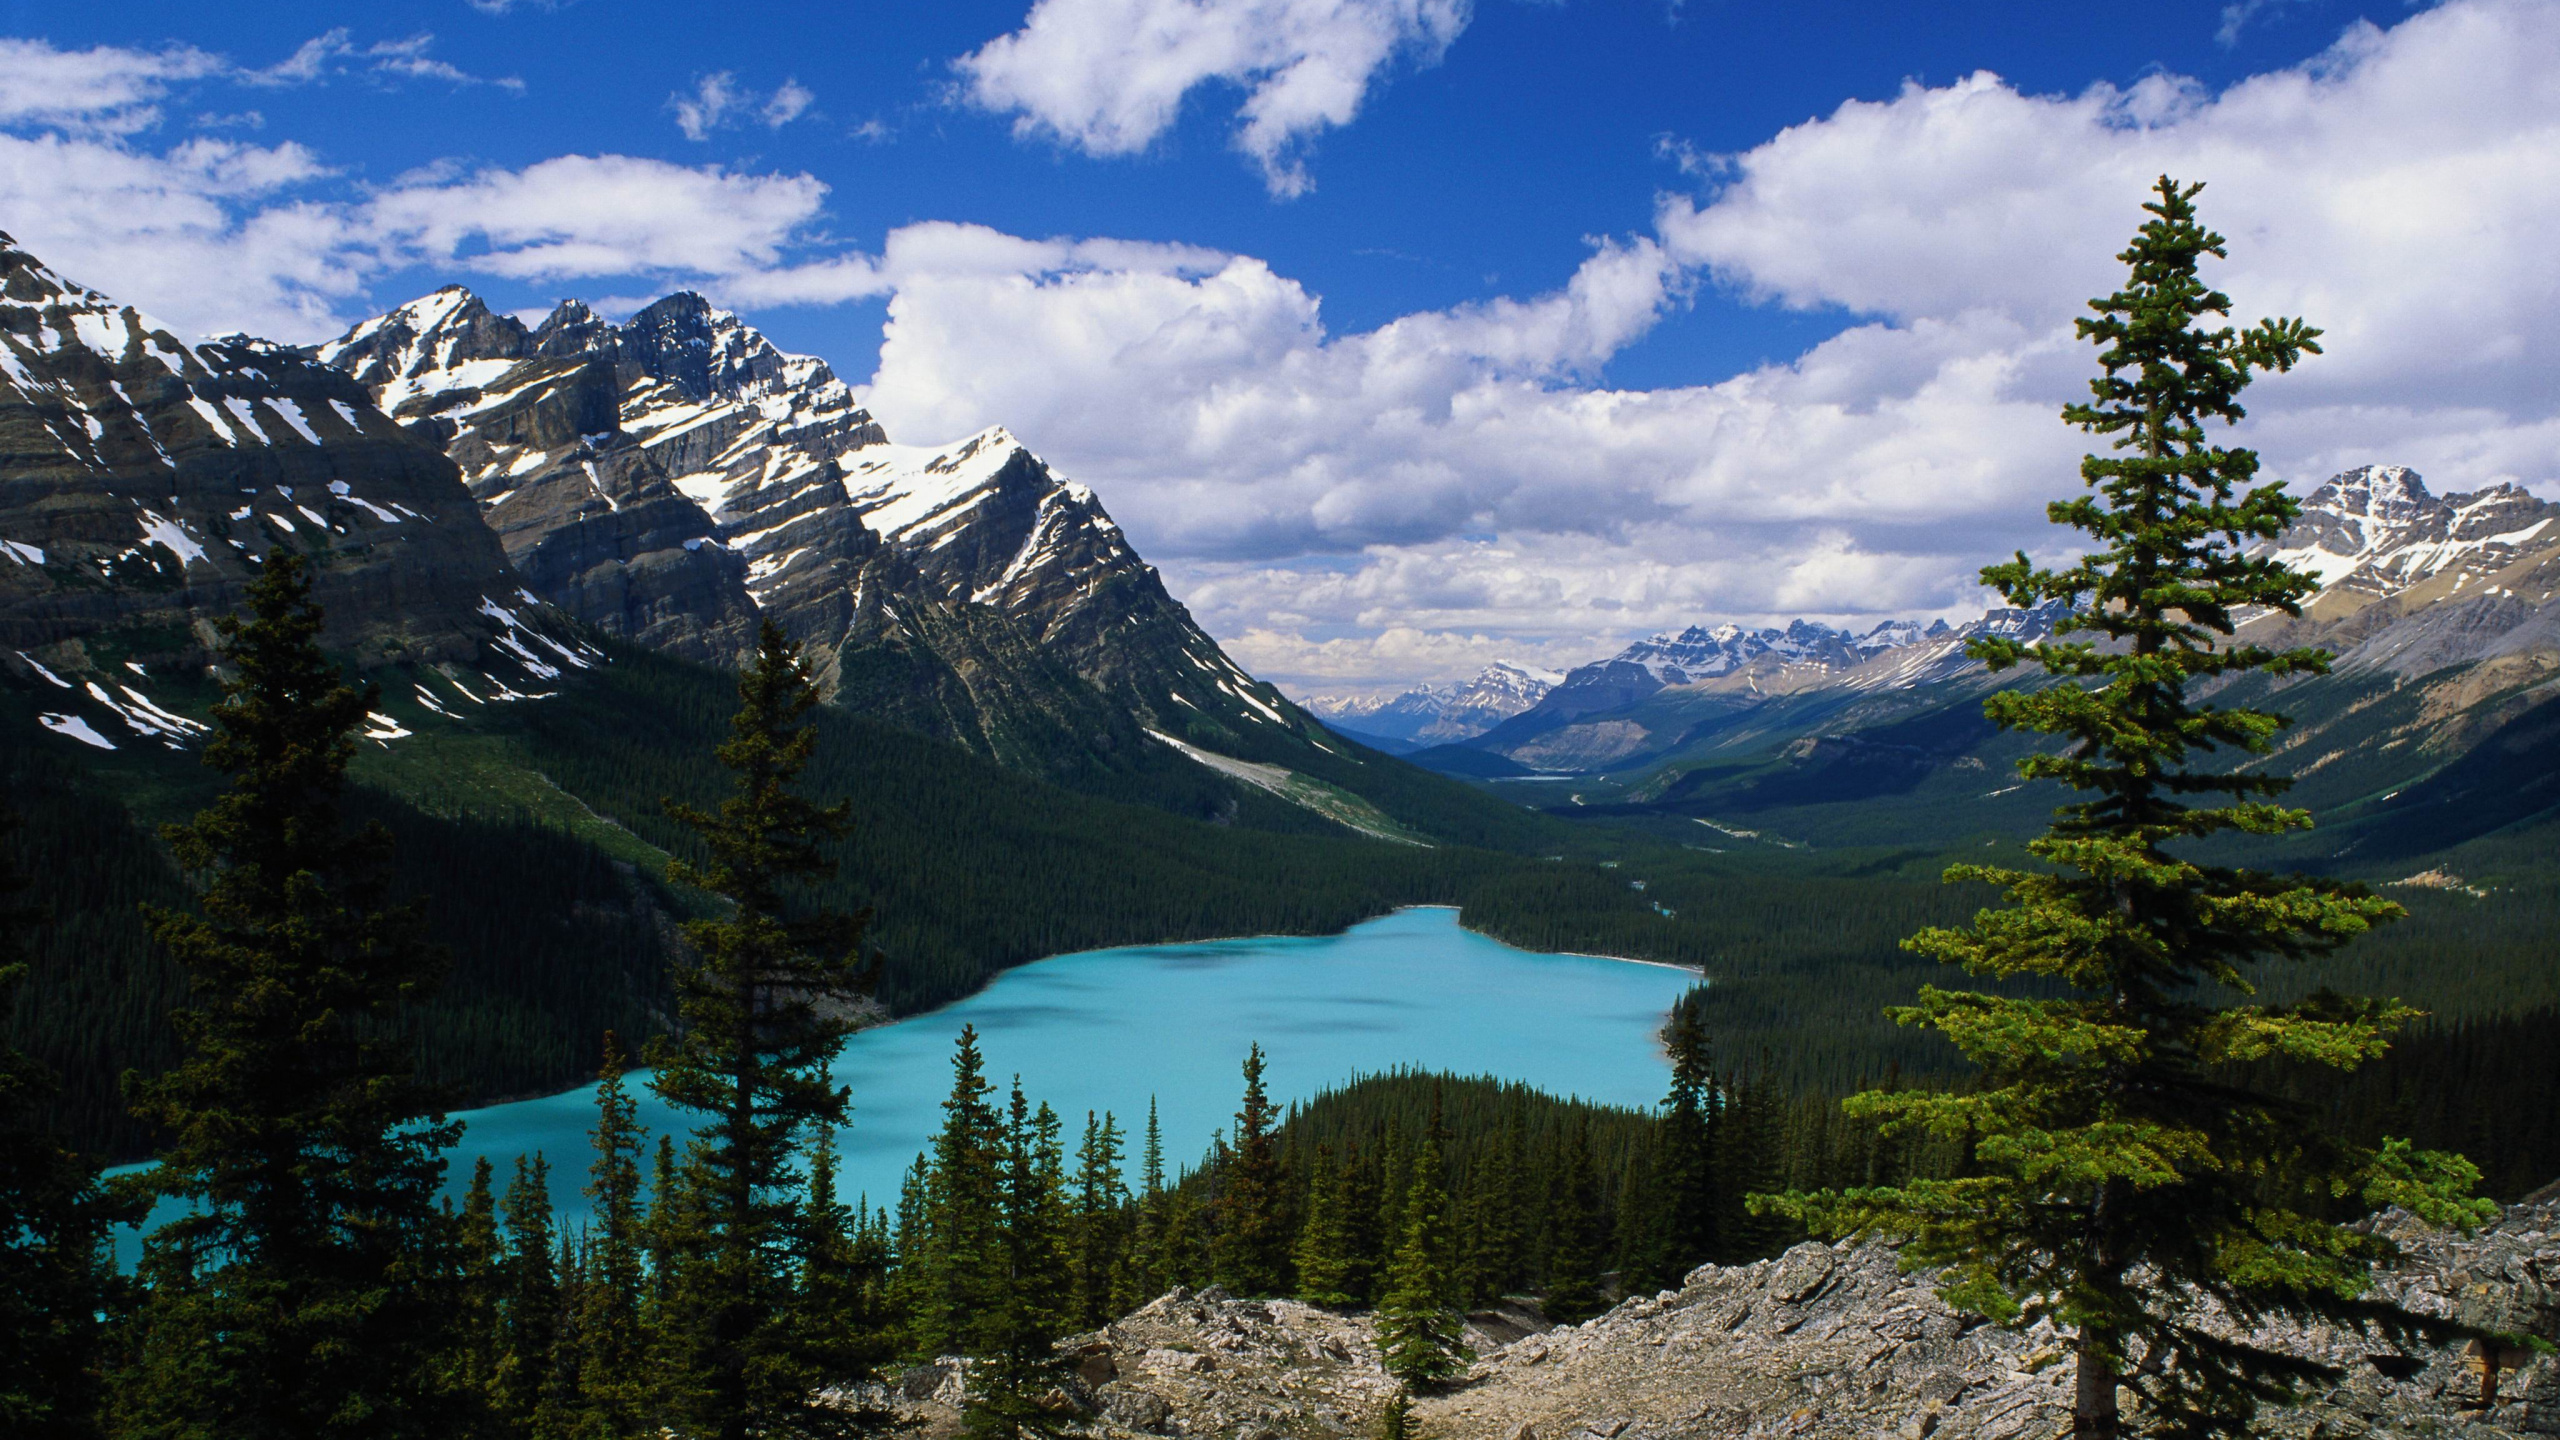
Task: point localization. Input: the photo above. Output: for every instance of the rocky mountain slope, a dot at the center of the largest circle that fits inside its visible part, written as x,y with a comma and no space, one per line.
1825,1341
676,478
143,480
1437,714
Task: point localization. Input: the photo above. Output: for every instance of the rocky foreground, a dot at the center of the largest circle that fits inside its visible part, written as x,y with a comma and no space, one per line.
1824,1341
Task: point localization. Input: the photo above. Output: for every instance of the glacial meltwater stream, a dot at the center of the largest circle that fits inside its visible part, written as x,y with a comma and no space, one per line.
1108,1029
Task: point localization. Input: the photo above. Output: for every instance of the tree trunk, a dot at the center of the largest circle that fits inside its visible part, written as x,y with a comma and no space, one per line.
2093,1406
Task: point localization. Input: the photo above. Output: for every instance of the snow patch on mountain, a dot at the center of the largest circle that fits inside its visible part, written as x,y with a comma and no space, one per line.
2375,531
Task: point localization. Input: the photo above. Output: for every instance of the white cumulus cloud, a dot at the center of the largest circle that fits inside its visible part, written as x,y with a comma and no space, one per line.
1110,77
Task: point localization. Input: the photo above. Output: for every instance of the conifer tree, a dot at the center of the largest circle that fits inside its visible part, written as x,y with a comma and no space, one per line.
2123,1187
664,1232
1100,1247
1365,1239
1019,1365
959,1260
835,1314
609,1342
1577,1227
1323,1253
1637,1229
1750,1158
478,1327
1420,1331
1250,1250
675,1318
1684,1176
54,1278
762,1021
1147,1269
529,1304
297,1292
1501,1214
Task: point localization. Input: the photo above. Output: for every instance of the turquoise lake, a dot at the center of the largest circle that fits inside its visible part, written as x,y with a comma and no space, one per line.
1107,1029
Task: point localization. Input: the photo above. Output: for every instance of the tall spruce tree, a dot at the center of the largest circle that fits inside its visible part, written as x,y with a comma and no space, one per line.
1146,1230
1019,1365
1684,1167
1323,1254
1421,1335
55,1278
296,1293
762,1018
958,1262
529,1302
609,1340
477,1336
2123,1189
1250,1249
1101,1241
1366,1243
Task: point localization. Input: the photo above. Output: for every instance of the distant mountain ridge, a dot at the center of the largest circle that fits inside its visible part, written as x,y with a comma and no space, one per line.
1438,714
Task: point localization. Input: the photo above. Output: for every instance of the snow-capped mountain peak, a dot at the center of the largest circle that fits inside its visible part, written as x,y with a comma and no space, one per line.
675,478
1445,713
2376,530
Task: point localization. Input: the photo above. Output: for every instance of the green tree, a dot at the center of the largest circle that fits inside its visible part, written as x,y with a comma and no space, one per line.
2121,1188
836,1308
1148,1270
55,1280
297,1292
1100,1248
1323,1253
958,1262
1018,1363
762,1019
529,1305
609,1341
1684,1169
477,1335
1500,1213
1578,1232
1420,1331
1250,1248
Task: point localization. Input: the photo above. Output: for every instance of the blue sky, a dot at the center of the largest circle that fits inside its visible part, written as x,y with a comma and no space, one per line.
1475,176
1358,378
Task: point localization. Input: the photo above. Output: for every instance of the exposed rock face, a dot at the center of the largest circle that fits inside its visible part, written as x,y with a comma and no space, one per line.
2375,531
1823,1342
139,476
676,478
2413,583
141,480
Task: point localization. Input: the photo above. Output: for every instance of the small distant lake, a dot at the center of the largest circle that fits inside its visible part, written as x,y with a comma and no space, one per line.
1108,1029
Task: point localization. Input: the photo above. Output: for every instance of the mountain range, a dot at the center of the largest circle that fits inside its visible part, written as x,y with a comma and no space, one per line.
2439,612
481,493
1436,714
